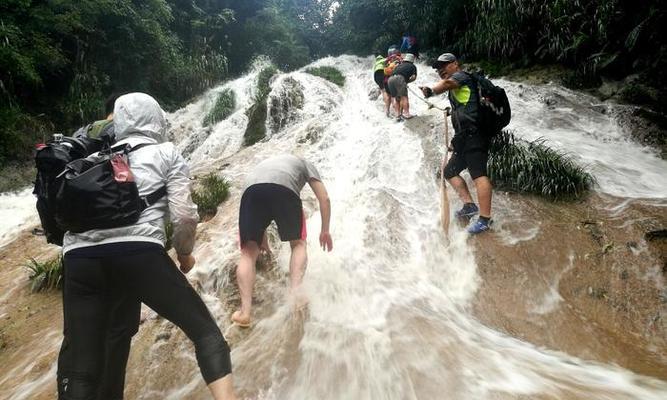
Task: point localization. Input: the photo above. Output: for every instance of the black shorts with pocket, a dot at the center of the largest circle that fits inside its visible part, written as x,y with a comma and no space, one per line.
265,202
471,151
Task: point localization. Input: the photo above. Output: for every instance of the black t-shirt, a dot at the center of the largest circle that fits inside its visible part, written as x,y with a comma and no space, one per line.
407,69
464,103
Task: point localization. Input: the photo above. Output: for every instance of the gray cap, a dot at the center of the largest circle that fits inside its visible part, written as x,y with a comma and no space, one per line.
443,59
409,57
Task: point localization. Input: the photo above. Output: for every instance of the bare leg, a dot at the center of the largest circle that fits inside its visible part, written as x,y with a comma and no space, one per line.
405,105
245,277
397,106
462,189
297,269
223,388
297,262
387,101
265,248
484,188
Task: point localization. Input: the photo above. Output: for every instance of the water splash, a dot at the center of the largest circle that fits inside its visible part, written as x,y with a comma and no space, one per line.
389,314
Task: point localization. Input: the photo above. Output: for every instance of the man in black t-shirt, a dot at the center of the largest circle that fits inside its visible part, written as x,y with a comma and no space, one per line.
398,85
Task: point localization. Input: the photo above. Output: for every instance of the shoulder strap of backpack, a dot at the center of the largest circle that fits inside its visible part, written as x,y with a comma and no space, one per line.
149,200
139,146
127,148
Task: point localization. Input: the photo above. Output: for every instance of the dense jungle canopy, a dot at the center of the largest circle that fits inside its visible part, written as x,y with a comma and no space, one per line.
60,59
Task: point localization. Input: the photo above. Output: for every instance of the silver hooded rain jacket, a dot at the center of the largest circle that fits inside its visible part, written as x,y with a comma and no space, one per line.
138,119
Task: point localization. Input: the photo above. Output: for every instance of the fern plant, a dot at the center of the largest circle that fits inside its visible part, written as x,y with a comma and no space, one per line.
45,275
533,167
213,191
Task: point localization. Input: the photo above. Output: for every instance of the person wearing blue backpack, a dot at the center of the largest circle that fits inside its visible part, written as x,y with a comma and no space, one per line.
410,45
470,142
110,268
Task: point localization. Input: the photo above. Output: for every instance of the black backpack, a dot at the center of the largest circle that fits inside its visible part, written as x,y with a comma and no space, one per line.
50,160
494,106
90,194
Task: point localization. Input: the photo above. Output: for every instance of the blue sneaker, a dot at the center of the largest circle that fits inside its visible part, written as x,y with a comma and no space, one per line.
468,210
480,226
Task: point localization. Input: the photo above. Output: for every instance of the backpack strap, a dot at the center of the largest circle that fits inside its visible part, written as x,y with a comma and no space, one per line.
125,147
139,146
149,200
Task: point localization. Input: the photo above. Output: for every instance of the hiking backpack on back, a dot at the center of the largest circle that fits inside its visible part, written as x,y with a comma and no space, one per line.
50,160
494,106
100,192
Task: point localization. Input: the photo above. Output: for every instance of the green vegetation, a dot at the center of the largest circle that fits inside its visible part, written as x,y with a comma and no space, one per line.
595,38
329,73
17,175
168,233
263,83
213,191
59,60
223,108
256,129
45,275
533,167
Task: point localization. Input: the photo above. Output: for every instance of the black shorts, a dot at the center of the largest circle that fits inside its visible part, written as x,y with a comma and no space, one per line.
379,78
471,152
265,202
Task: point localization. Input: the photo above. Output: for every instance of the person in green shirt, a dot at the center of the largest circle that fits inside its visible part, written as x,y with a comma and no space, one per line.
470,145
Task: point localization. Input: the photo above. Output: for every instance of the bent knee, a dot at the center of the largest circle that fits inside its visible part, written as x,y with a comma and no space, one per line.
213,357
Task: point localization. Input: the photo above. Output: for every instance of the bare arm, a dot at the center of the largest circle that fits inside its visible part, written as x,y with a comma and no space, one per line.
325,212
182,211
440,87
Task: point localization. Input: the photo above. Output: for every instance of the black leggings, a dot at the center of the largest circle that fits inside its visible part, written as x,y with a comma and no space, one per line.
101,300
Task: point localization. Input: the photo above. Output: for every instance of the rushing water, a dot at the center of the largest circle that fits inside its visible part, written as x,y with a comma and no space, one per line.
388,315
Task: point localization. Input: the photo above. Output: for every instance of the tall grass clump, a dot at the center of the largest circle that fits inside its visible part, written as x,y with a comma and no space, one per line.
256,129
45,275
532,167
223,108
212,191
329,73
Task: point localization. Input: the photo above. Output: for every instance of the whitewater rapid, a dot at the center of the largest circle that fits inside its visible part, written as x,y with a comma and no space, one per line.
389,309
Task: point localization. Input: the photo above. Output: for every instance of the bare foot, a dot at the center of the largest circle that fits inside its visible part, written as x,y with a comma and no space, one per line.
244,321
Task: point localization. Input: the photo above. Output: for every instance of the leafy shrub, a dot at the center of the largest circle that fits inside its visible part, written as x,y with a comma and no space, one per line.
223,108
329,73
213,191
46,275
16,175
168,233
256,129
19,132
263,80
532,167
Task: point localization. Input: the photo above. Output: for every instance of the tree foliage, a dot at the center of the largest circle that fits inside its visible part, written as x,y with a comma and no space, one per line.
59,59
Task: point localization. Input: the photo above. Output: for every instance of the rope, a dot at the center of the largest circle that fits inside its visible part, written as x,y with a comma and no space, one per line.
430,105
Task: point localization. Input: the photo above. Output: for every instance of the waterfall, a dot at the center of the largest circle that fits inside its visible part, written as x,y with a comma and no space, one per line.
389,313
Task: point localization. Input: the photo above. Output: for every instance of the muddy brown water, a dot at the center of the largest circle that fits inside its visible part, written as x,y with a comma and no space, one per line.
559,301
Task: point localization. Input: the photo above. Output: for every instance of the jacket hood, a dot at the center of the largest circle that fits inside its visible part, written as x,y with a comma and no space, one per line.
138,114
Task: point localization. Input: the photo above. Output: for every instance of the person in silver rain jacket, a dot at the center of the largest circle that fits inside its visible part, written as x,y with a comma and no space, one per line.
108,273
